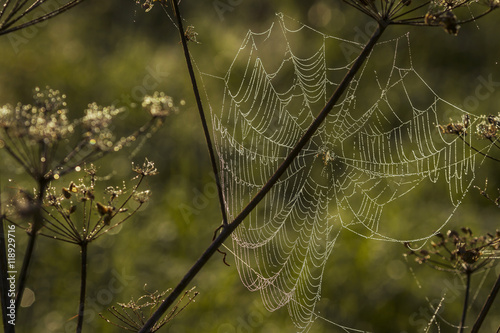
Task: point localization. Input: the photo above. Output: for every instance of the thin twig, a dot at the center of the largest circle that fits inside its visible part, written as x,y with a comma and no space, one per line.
226,232
201,112
487,305
477,150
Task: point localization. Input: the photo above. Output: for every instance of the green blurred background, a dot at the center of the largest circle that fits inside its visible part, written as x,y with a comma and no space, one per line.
103,52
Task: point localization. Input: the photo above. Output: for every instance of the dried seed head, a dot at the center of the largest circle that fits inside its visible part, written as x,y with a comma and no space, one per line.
191,35
44,121
489,127
142,197
66,192
72,209
159,105
458,128
147,5
452,234
147,169
104,210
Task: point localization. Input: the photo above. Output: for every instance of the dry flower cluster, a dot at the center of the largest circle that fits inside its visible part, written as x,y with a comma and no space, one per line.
459,251
435,13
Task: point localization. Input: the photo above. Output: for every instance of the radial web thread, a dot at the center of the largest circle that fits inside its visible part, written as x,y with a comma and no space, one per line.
380,142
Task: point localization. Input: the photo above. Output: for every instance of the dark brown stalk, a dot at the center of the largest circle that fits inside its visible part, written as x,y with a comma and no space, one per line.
487,305
226,232
37,224
466,303
200,110
83,286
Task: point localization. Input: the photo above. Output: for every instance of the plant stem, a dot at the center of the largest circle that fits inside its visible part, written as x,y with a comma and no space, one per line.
201,112
487,305
83,286
28,255
466,301
226,231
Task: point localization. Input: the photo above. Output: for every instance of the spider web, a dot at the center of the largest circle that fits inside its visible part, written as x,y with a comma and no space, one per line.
380,142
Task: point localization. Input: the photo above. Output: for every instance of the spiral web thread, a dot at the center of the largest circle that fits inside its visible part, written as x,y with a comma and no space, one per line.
370,152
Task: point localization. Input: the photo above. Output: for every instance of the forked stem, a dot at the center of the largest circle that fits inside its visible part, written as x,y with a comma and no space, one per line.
269,184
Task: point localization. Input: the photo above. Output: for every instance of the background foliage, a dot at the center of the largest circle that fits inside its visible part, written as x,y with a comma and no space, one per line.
106,52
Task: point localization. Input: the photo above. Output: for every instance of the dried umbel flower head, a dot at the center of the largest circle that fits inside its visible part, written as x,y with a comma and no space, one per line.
80,212
489,127
98,118
147,169
458,128
131,316
147,5
33,133
446,19
459,251
159,105
96,124
438,13
44,121
191,35
142,197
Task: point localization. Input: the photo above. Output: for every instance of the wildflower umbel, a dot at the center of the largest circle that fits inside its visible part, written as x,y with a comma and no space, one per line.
147,5
486,128
147,169
159,105
459,251
448,14
133,315
489,127
44,121
33,133
458,128
78,214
